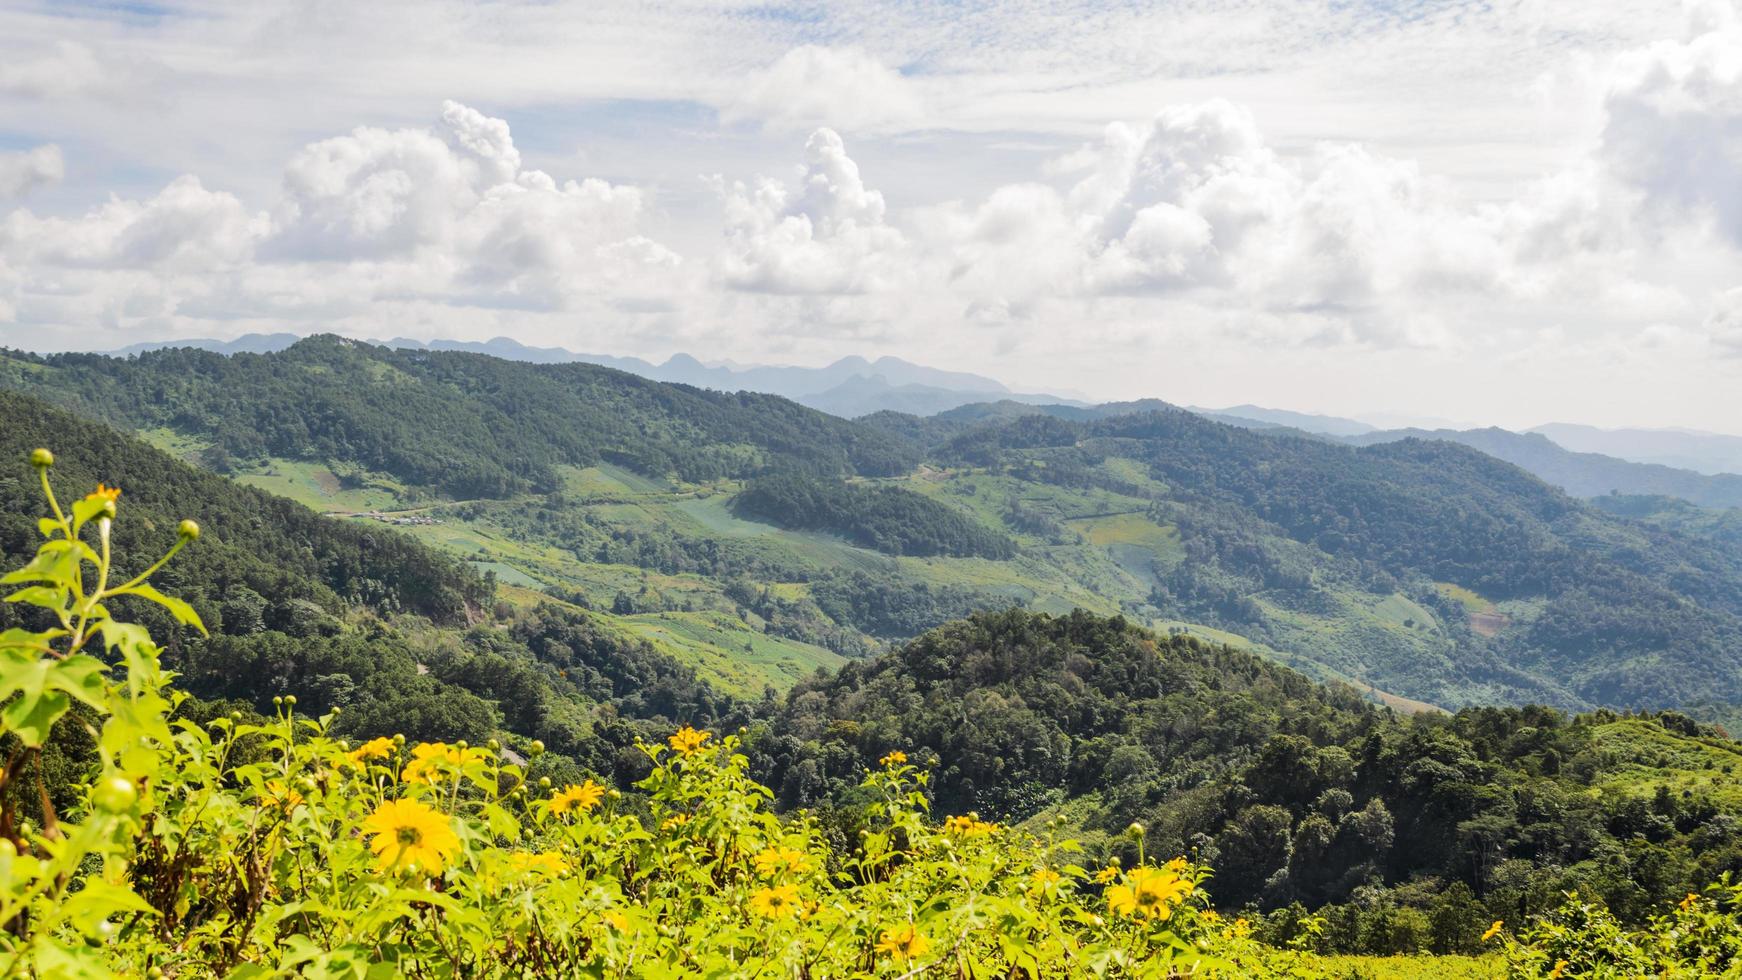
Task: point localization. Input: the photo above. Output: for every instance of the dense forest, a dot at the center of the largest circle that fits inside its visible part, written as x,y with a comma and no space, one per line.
1404,831
1424,569
404,638
465,424
1600,604
887,519
1400,830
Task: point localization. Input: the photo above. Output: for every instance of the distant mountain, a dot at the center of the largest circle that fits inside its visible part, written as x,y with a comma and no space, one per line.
860,395
849,387
1702,452
253,343
1580,474
1328,425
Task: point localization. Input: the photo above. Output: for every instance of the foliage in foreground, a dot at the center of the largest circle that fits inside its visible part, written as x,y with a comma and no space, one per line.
244,850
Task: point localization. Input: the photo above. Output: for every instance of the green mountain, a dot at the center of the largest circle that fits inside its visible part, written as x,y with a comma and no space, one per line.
404,637
1582,474
1404,832
757,540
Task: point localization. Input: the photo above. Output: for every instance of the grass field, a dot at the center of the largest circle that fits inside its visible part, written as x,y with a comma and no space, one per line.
728,653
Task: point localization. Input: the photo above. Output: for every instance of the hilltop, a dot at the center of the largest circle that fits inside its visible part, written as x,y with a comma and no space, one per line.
758,540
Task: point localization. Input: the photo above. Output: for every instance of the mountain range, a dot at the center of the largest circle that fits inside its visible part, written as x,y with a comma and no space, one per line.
755,539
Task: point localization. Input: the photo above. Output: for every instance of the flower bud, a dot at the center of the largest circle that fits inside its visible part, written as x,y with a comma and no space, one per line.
290,700
188,529
493,745
462,745
536,748
277,701
235,716
42,459
114,795
398,739
1135,830
544,782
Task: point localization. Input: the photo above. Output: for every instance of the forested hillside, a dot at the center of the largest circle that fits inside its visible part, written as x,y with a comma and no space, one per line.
466,424
403,637
1416,832
757,540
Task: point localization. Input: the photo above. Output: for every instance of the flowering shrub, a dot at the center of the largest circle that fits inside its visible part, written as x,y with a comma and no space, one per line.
245,850
1700,937
253,850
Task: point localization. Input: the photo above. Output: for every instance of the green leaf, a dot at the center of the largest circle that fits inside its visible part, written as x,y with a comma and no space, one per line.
46,596
98,900
178,608
32,716
56,562
48,526
128,637
80,676
86,508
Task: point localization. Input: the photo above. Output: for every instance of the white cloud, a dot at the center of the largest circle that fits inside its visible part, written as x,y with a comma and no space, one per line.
844,88
447,214
1724,324
826,235
23,172
1673,132
185,227
68,69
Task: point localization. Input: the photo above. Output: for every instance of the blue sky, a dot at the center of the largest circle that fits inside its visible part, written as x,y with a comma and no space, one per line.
1489,212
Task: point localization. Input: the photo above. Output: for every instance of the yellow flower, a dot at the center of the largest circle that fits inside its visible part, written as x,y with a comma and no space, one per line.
104,493
674,821
894,758
579,799
776,860
903,943
409,835
542,862
375,748
278,794
1149,893
1560,967
1689,902
1493,930
777,902
1044,879
428,759
616,920
688,740
1106,874
969,826
1242,928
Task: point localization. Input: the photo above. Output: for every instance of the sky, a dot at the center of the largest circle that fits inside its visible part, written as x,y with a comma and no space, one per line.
1505,212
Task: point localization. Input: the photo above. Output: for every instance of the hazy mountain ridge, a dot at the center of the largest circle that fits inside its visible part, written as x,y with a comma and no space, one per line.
850,384
1582,474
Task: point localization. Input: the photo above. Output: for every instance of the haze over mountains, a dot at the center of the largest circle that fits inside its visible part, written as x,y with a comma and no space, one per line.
1702,468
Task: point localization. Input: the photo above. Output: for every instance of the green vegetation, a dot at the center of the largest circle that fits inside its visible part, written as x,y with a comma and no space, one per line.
1359,565
466,424
1400,832
190,842
892,520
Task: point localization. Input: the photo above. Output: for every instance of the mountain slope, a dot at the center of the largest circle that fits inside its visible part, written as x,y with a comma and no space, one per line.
1418,571
343,614
1702,452
1298,792
465,424
1580,474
